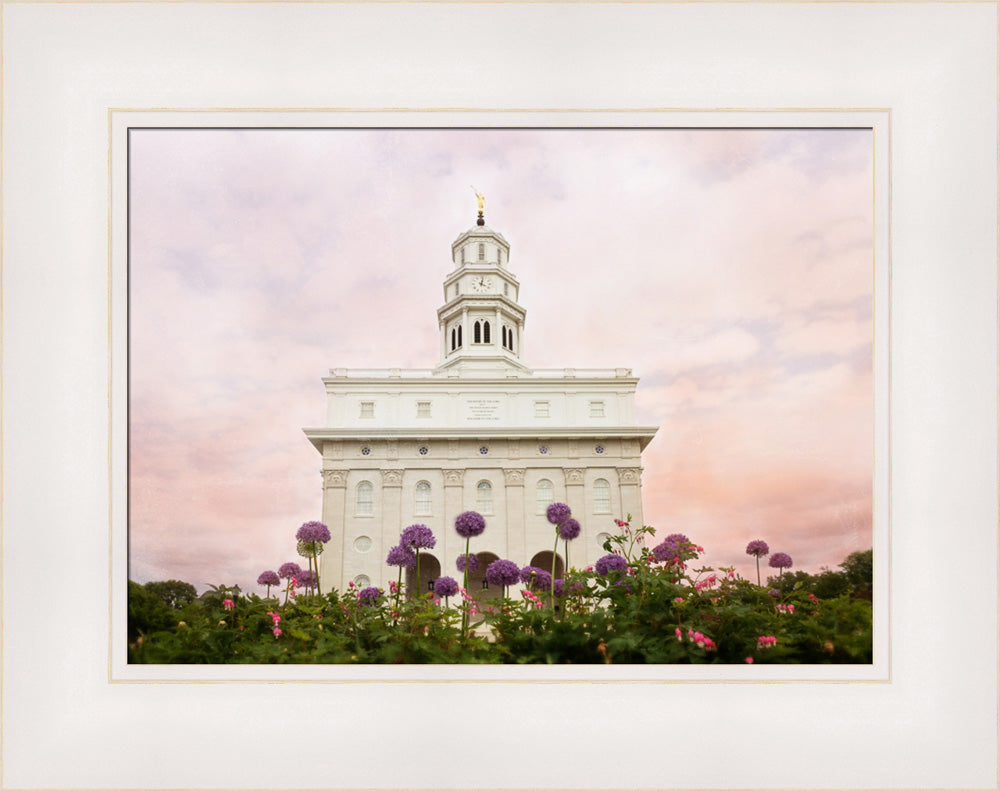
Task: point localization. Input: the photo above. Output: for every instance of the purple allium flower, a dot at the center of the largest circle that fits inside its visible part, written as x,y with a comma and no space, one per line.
289,571
671,548
758,548
569,529
469,523
269,578
503,573
557,513
445,586
314,532
779,560
536,578
610,563
402,556
369,595
774,593
470,562
417,537
305,578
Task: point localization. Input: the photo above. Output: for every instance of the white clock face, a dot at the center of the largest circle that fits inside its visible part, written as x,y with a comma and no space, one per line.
481,284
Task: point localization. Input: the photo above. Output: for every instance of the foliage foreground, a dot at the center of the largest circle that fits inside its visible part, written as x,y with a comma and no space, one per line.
635,605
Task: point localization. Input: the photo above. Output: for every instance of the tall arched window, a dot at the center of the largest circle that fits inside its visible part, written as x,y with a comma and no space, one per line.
482,251
477,333
453,339
486,332
460,335
544,495
503,336
365,499
484,497
602,496
422,499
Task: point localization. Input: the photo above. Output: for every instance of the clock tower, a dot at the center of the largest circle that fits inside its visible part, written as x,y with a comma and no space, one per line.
481,322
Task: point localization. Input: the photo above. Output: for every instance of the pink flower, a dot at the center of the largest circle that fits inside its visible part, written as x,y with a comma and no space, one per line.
677,631
678,600
277,632
228,604
749,660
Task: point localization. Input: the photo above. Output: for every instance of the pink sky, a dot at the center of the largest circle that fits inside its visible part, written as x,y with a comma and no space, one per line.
730,269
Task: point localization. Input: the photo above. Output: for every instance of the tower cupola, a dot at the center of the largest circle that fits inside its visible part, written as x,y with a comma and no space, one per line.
481,322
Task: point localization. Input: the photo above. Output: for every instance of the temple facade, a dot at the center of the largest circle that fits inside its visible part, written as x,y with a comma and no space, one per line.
481,431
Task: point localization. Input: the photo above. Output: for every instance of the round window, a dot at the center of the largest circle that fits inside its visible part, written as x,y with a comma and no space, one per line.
362,543
484,450
423,450
365,450
598,449
362,581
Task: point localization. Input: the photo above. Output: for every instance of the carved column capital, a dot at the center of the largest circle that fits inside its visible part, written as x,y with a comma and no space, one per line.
513,477
334,479
630,475
392,478
454,477
574,476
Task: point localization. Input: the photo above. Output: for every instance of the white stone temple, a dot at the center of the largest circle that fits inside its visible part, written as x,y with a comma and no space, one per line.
482,431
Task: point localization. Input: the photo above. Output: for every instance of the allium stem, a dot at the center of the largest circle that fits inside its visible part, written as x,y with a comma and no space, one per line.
416,593
758,571
552,582
465,587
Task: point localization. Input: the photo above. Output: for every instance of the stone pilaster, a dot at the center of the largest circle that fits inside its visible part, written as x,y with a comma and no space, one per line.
331,562
517,539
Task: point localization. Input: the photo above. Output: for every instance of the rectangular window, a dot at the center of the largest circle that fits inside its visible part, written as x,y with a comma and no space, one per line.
423,408
541,409
597,409
482,252
367,409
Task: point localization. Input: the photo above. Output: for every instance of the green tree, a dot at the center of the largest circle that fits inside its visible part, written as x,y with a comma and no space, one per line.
147,613
173,593
858,568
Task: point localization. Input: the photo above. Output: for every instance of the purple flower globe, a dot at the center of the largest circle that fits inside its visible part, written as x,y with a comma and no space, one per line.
569,529
503,573
609,563
671,547
289,571
469,523
369,596
779,560
470,562
445,586
557,513
305,579
417,537
402,556
315,532
758,548
269,578
774,593
536,578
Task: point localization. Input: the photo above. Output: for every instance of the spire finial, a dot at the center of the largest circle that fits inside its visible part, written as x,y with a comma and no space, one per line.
480,200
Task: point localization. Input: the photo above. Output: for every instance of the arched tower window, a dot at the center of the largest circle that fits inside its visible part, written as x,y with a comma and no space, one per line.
484,497
602,496
365,503
486,332
460,335
482,251
503,336
544,495
422,499
453,339
476,332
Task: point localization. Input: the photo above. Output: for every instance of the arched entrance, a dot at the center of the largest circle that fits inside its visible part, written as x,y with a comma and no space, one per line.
430,570
543,560
479,588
